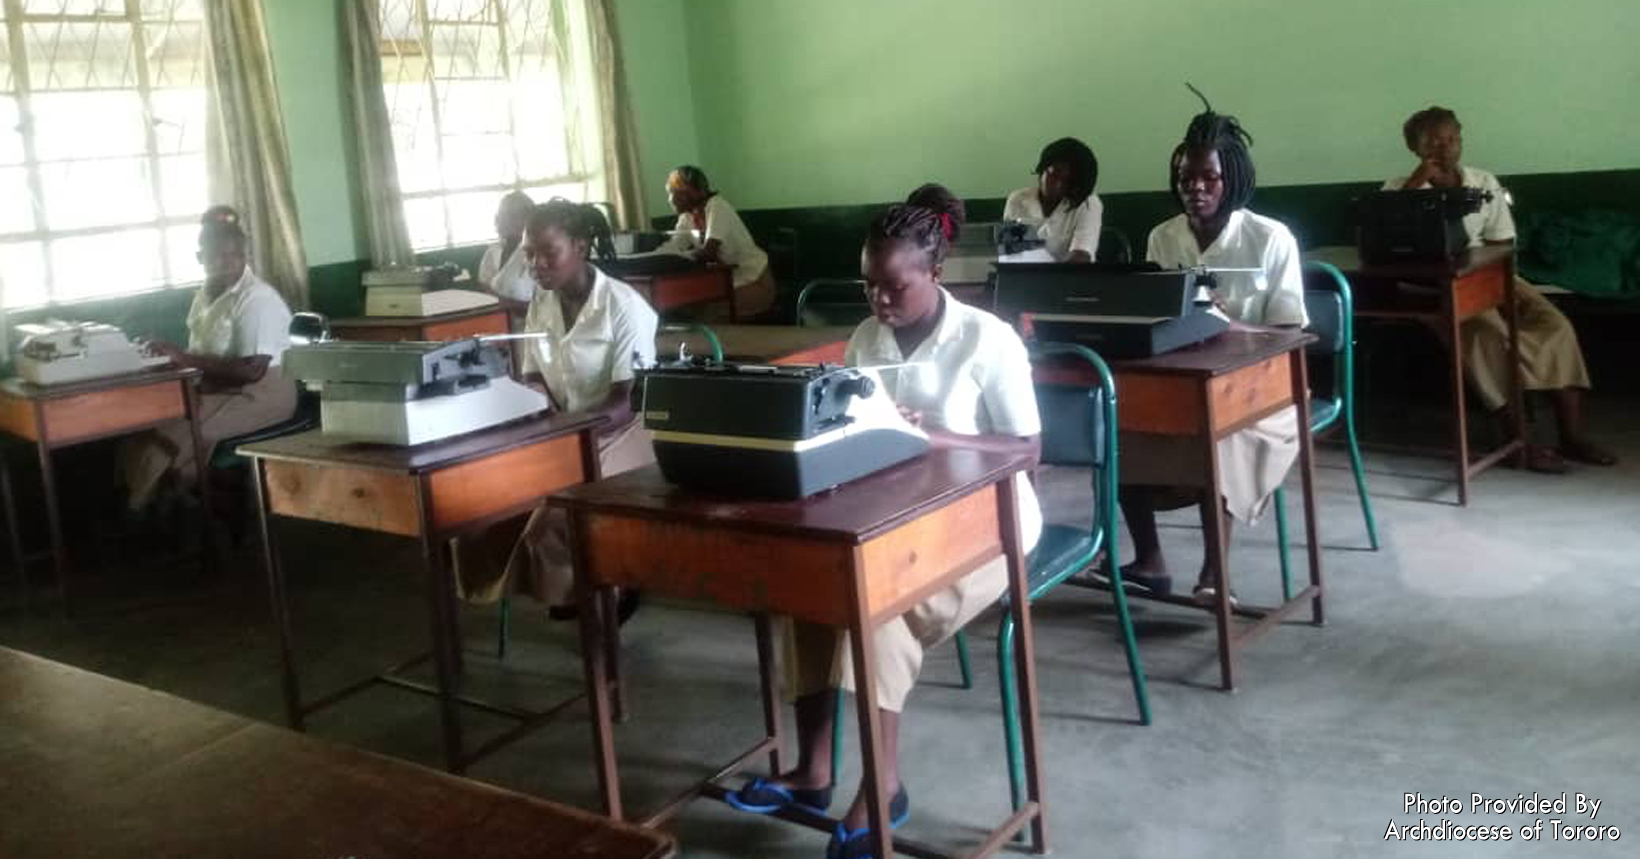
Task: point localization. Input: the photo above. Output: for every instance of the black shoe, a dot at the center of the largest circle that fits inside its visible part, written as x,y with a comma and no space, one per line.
626,605
1138,583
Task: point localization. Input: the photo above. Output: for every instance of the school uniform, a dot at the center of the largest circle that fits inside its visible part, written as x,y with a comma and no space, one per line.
247,319
1253,461
976,380
579,364
1550,357
512,278
1067,230
754,283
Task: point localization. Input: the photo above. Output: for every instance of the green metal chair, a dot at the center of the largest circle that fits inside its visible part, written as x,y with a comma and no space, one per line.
681,330
1331,313
832,301
1078,430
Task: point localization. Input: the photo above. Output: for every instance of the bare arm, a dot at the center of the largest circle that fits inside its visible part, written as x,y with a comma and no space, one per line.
219,372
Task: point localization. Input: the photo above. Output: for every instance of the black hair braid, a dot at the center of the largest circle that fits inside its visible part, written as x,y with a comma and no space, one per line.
582,221
914,226
695,178
1424,120
938,199
1078,161
1215,132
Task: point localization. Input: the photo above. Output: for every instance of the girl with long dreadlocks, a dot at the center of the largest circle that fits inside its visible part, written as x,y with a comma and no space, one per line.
1062,205
1550,358
973,390
1211,173
710,230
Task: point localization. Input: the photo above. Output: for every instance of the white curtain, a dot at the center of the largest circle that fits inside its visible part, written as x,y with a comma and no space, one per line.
373,135
622,170
247,159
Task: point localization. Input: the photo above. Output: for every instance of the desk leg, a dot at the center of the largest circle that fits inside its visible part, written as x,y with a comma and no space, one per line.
769,682
596,669
1460,410
1306,465
14,534
1025,657
278,599
54,517
609,604
202,472
1517,391
860,635
441,609
1213,536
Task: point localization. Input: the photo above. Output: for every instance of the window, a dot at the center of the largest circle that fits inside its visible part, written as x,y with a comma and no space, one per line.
102,165
485,97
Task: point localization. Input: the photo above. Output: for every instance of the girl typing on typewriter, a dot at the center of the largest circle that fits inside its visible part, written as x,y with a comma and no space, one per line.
1063,207
969,386
1550,358
710,230
1213,180
238,329
597,330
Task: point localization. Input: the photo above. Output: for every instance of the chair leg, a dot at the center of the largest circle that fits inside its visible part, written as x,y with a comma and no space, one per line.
504,631
1010,710
1280,501
837,736
1361,483
962,660
1130,642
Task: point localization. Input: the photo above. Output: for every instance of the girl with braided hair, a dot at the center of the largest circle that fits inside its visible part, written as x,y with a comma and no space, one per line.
1211,173
1062,205
970,387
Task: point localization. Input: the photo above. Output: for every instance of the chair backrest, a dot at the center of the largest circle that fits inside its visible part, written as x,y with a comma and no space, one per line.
691,335
1113,246
1331,309
1079,419
832,301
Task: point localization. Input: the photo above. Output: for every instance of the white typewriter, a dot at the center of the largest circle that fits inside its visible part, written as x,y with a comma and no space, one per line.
55,352
420,291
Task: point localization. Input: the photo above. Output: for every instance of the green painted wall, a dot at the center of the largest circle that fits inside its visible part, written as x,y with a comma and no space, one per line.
851,101
656,53
307,52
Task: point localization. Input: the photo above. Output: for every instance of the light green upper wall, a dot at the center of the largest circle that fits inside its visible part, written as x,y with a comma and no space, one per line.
307,54
656,54
852,101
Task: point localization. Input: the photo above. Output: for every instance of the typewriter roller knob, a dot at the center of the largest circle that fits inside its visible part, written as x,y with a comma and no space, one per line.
857,386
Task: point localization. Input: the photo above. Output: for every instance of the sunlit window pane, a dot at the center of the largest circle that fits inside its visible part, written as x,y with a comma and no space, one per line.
105,264
115,8
88,124
175,54
182,186
425,219
181,248
80,55
472,217
472,160
23,270
178,10
476,11
97,193
16,207
11,138
179,120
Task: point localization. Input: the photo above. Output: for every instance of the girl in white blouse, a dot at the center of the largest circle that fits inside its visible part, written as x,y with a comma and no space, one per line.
710,230
1062,205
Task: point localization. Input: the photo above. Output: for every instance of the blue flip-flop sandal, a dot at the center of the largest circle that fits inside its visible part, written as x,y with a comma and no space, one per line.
857,844
761,797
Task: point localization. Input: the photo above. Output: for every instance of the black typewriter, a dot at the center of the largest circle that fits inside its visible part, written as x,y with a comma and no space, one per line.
1424,225
1119,311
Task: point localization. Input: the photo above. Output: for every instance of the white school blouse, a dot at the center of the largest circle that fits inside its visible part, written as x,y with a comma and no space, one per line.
975,380
248,318
724,224
513,279
1493,223
1272,295
614,332
1068,229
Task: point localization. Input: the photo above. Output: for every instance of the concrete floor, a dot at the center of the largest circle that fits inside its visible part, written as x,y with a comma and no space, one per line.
1488,649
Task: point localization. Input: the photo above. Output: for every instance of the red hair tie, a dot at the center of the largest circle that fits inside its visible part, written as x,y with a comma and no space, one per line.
947,227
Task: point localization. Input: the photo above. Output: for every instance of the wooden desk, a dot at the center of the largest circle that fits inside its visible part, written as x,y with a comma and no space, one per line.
58,416
450,326
430,493
768,344
854,557
97,767
1174,410
1479,280
697,285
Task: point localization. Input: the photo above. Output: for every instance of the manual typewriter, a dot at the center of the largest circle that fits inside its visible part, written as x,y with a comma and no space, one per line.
1119,311
778,432
57,352
410,393
1424,225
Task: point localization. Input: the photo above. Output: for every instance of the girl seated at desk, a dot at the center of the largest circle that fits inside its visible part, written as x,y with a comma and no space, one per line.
710,230
1213,180
598,331
1550,358
1062,204
973,388
238,330
505,270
